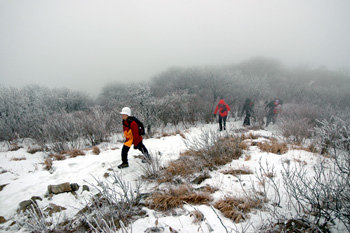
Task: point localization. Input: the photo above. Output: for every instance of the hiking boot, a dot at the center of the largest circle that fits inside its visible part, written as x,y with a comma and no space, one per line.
123,165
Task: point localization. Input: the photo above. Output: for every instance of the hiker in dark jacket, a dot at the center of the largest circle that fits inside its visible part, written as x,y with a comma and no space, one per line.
132,136
223,112
273,109
248,109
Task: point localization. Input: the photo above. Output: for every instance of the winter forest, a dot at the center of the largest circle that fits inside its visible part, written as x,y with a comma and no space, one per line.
315,116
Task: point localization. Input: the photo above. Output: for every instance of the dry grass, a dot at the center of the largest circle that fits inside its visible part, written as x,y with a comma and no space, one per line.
249,136
183,166
273,147
96,150
34,150
48,163
300,161
223,152
237,172
58,156
237,209
182,135
74,153
176,198
311,148
208,189
18,159
243,145
198,216
247,157
165,134
14,147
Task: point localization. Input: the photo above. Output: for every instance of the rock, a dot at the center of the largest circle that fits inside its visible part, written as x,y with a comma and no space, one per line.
2,187
53,208
28,205
2,220
86,188
154,229
200,178
74,186
60,188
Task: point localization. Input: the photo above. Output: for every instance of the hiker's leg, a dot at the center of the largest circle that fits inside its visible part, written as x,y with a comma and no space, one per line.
248,120
274,118
141,147
220,122
224,121
125,151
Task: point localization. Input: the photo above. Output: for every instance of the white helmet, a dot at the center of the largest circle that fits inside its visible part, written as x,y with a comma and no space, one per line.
126,111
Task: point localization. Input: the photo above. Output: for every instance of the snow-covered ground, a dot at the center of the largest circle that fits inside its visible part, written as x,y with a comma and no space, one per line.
24,176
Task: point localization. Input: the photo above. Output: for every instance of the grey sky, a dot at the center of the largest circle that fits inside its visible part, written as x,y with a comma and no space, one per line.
85,44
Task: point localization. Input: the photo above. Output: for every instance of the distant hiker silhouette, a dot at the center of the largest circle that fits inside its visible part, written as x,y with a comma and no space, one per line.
223,109
274,107
248,110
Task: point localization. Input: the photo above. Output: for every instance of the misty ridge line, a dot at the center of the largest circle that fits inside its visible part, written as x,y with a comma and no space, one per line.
175,96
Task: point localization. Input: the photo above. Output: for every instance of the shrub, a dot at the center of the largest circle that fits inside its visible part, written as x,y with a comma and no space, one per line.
113,207
273,147
215,150
183,166
297,121
152,169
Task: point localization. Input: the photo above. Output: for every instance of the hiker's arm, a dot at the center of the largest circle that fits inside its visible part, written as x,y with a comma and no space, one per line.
216,109
134,128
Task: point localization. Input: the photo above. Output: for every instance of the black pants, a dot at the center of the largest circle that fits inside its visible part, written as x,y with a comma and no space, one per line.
270,118
246,120
141,147
222,121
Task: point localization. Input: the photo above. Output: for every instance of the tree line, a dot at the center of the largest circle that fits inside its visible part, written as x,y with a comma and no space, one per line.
65,118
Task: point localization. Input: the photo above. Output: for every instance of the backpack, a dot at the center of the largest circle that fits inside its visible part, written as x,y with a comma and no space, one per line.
223,108
139,124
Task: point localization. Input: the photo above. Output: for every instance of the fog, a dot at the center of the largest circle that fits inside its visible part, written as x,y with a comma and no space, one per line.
86,44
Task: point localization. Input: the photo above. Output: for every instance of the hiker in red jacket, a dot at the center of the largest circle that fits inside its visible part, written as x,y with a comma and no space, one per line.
223,112
132,136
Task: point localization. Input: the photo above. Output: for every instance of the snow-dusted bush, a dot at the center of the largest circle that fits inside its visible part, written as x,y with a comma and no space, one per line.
136,96
319,199
23,111
213,149
174,108
152,169
114,206
62,130
38,219
296,121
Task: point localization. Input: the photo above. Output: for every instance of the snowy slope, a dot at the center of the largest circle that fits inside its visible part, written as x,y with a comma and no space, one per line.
26,178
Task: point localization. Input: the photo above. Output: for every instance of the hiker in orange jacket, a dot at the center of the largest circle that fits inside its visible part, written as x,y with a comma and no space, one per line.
132,136
223,112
